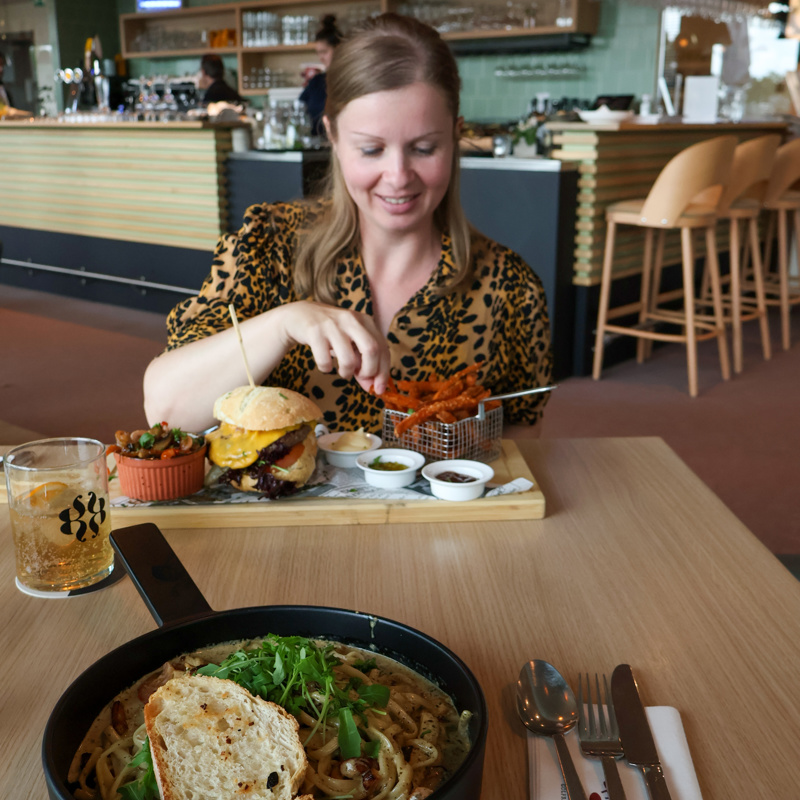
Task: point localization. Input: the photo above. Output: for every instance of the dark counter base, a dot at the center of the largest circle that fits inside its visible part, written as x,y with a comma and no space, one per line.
533,213
153,263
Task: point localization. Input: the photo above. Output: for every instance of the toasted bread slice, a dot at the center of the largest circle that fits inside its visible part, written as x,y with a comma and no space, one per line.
212,740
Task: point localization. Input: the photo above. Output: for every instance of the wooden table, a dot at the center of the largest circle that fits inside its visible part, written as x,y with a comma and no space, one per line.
637,561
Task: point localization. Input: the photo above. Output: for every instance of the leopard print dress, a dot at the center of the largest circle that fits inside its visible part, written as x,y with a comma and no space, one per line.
501,318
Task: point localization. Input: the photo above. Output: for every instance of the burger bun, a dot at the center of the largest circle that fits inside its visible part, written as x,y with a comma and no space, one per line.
265,408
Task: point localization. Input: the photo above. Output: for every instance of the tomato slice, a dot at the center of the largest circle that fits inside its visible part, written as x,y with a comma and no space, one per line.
291,456
170,452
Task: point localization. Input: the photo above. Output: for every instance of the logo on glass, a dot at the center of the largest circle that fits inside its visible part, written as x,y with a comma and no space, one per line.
76,526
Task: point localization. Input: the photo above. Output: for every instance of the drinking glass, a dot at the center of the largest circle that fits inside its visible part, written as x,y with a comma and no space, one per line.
58,501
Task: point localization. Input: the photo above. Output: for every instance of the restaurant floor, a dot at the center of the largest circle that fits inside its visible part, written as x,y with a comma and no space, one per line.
74,367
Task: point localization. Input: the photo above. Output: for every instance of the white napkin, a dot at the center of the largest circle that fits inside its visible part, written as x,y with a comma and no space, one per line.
546,782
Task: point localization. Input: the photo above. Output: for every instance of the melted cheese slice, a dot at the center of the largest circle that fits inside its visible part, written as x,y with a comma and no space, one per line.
237,448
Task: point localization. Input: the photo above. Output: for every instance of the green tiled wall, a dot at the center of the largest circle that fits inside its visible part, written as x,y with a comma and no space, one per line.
622,59
77,20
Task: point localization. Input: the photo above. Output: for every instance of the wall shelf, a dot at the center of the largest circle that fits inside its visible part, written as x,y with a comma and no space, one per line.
193,31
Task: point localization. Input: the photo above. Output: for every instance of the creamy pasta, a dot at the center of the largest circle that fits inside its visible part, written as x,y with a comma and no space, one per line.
410,745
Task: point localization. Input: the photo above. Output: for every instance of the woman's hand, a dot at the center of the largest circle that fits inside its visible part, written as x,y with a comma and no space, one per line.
342,340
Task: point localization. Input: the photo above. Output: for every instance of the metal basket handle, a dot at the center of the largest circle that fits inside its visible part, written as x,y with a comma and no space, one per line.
482,410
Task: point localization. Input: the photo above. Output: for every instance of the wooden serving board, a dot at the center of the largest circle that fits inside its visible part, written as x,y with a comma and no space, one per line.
343,511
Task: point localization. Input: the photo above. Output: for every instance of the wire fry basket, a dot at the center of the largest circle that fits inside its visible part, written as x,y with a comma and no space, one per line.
471,438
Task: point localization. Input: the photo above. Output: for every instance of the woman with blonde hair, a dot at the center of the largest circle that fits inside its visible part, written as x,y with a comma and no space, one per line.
383,277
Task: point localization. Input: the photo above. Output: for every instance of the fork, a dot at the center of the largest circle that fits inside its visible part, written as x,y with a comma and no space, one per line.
599,734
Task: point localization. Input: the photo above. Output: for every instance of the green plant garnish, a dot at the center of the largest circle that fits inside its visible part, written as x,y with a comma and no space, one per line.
375,694
375,461
147,440
296,673
145,787
371,749
280,394
349,737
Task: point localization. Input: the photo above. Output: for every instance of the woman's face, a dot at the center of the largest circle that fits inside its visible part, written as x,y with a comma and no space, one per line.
395,149
324,53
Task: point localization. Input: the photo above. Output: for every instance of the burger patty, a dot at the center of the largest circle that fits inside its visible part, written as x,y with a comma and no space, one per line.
266,483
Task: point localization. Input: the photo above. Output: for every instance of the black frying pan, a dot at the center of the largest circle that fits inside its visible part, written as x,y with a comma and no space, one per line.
187,623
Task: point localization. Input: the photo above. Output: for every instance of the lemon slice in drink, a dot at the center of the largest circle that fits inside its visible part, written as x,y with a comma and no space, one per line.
45,496
44,502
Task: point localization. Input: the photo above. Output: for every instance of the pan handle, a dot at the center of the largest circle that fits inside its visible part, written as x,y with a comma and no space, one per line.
166,587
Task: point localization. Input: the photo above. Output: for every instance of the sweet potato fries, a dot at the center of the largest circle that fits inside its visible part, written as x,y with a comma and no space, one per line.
445,401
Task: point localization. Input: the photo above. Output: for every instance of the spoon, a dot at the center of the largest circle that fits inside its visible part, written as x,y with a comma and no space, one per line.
547,707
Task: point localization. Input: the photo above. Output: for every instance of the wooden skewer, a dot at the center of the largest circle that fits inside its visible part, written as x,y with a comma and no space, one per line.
241,344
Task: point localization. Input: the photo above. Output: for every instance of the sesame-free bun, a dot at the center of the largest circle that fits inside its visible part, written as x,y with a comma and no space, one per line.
265,408
210,738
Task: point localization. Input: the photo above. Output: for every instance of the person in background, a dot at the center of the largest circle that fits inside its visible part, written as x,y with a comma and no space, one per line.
314,95
382,278
5,95
216,90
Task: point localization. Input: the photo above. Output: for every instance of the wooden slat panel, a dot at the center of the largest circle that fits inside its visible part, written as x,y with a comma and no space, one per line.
146,143
134,200
76,179
188,218
163,185
150,233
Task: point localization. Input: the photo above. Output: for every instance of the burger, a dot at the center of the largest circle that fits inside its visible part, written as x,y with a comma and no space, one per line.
265,442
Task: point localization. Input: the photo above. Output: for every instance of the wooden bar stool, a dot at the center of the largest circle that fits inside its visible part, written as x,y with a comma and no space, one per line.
743,200
783,289
671,204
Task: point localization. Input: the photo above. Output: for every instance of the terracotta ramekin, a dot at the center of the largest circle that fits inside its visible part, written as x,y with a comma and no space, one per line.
161,479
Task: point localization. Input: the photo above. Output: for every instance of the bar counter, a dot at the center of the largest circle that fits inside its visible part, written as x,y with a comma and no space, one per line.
620,161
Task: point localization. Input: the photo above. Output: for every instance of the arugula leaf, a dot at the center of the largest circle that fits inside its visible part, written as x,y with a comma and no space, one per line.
375,694
372,749
146,786
278,674
296,673
349,737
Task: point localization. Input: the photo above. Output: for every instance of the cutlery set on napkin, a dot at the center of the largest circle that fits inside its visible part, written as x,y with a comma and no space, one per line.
657,763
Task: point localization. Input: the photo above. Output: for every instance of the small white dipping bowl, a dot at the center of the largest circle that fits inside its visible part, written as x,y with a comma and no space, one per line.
446,490
391,479
344,458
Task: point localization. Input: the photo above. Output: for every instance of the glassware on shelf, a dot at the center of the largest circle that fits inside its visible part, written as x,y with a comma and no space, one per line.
553,70
156,38
565,11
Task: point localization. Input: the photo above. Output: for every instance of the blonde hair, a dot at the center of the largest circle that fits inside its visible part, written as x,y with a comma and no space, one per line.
386,52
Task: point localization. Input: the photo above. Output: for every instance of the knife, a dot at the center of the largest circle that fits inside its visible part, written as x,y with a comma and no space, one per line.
634,731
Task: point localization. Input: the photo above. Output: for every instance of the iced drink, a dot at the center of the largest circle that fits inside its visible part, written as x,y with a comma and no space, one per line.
58,500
